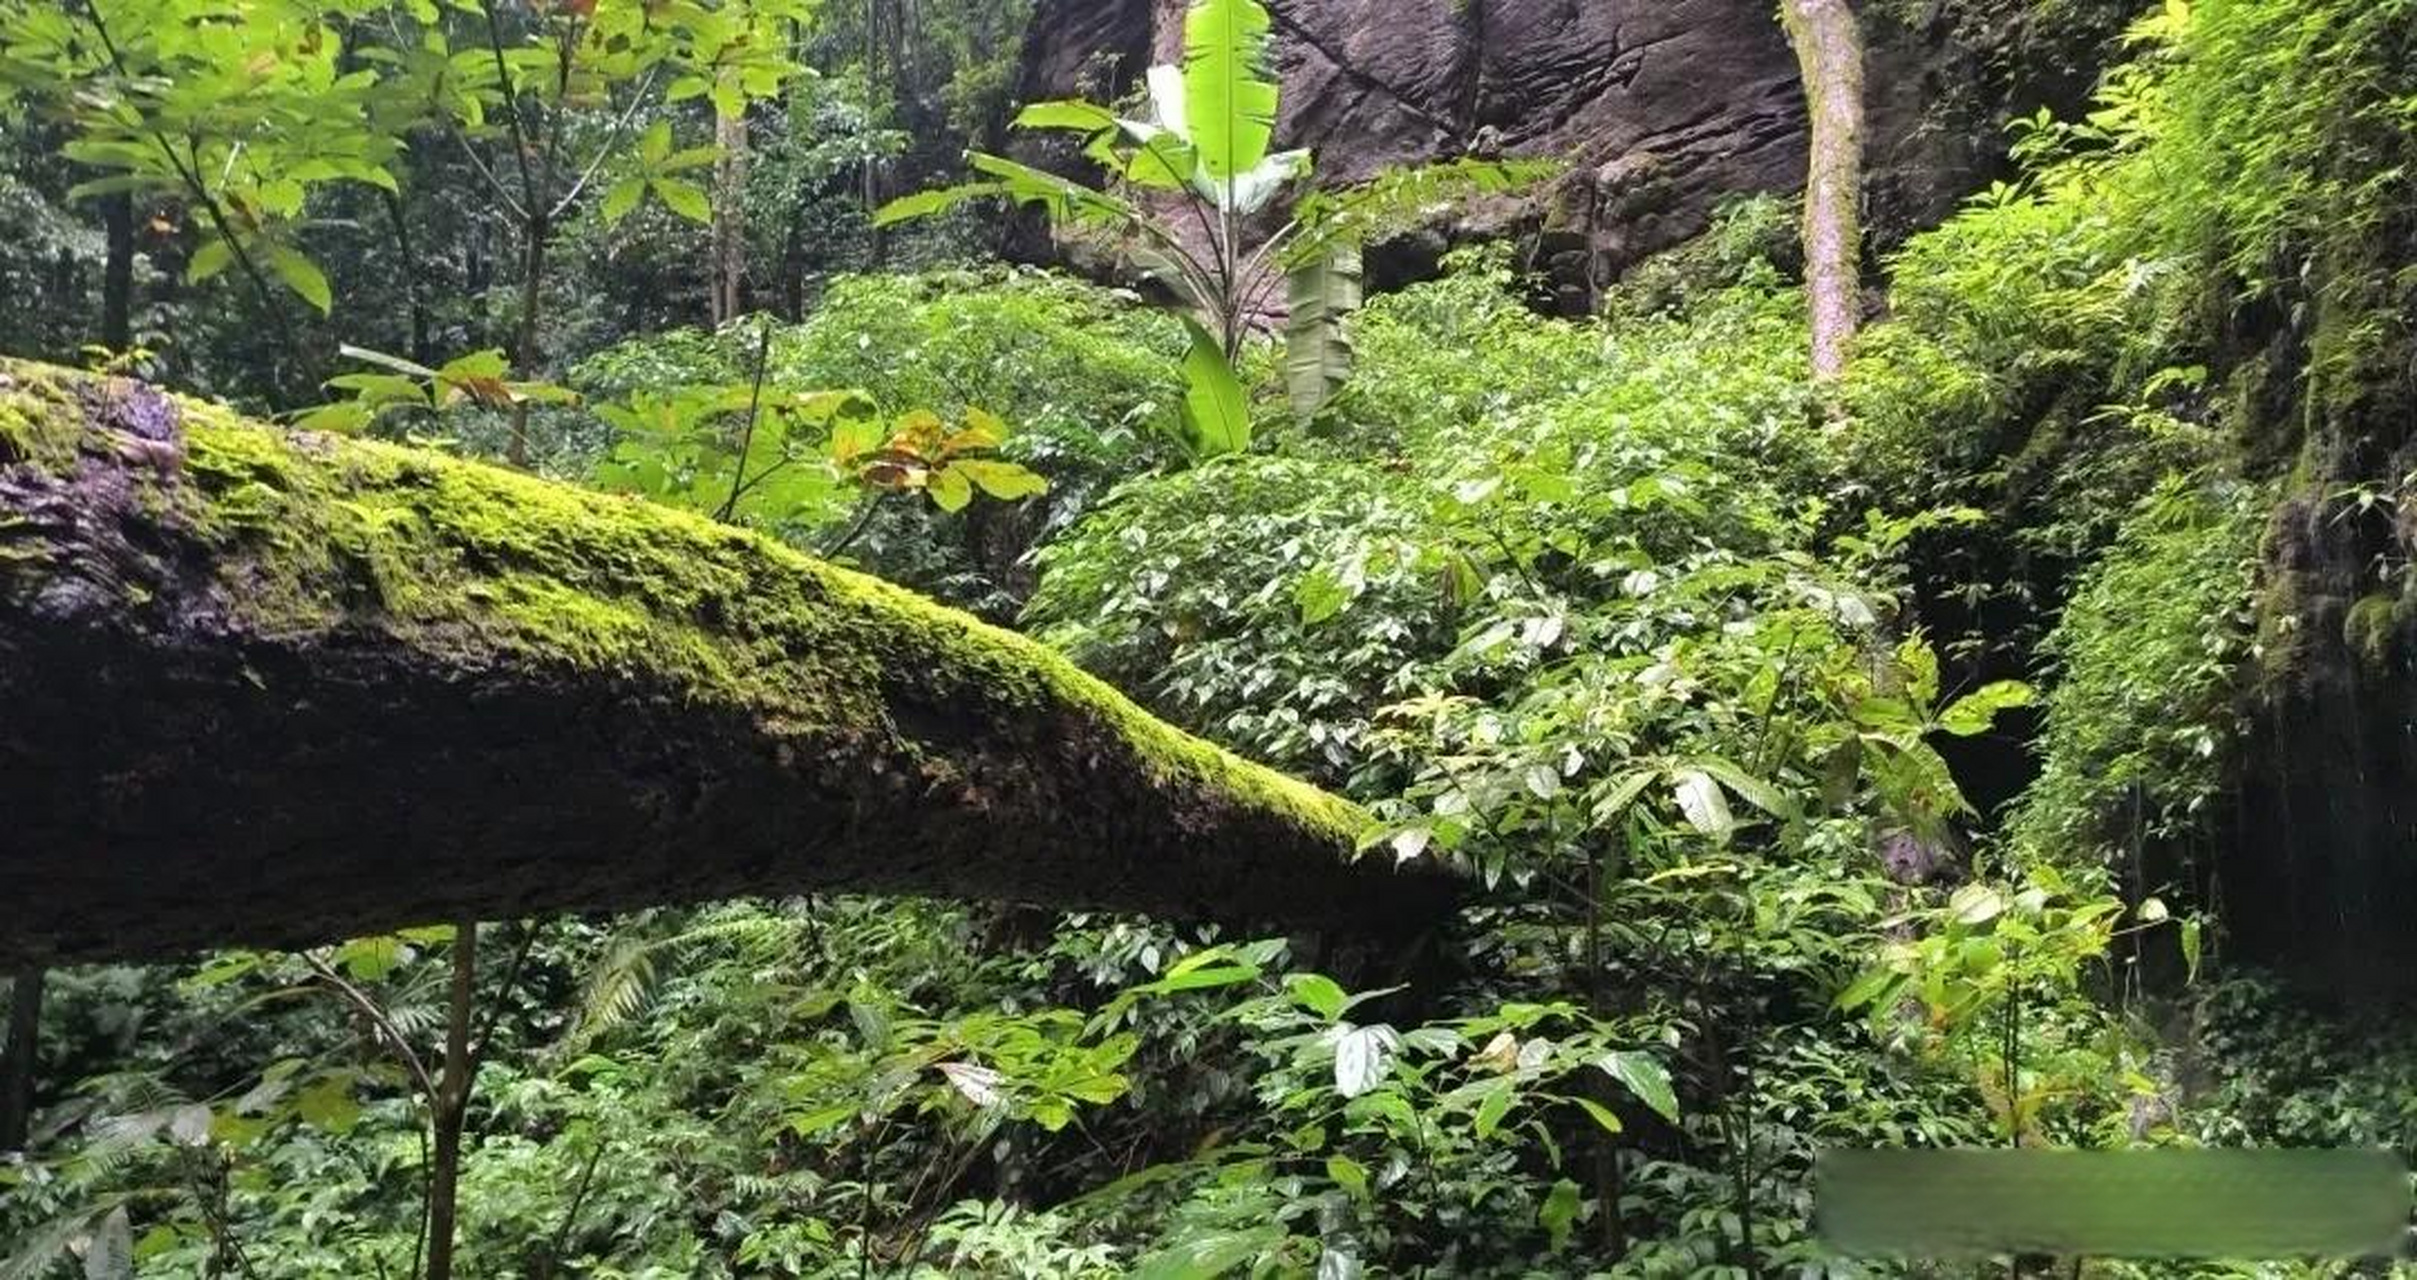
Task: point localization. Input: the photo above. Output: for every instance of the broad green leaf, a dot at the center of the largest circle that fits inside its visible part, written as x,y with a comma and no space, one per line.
1559,1212
1603,1116
950,489
1754,791
1201,979
924,204
210,259
1976,904
1064,198
682,198
1976,711
1497,1104
1209,1256
303,276
328,1105
1215,412
1643,1075
655,143
1066,113
622,197
1348,1174
1317,993
2190,948
1872,988
1319,595
1004,481
1229,98
1317,350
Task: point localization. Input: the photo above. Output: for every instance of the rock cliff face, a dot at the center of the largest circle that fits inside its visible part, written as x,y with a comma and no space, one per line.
1662,108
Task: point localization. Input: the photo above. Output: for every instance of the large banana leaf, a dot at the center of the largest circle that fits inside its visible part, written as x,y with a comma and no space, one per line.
1229,96
1065,199
1317,351
1216,414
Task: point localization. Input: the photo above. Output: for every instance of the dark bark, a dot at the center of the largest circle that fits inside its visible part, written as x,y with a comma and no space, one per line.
525,355
117,274
273,689
17,1062
450,1108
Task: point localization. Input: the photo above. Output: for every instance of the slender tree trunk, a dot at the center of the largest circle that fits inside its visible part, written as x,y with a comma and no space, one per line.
17,1064
422,349
872,121
524,340
451,1105
1828,38
729,218
117,277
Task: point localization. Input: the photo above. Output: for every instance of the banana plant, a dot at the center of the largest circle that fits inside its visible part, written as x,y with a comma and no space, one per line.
1187,200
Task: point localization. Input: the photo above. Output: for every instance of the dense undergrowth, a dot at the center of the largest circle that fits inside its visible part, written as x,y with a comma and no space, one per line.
1605,610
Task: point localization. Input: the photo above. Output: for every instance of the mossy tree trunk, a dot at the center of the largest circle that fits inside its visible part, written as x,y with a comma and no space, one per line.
274,689
1828,39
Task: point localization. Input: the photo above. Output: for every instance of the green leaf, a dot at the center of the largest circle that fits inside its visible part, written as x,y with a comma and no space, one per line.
924,204
950,490
1215,413
1622,791
1974,712
1229,98
1976,904
303,276
1559,1212
1066,113
1754,791
210,259
1319,595
1004,481
1497,1104
682,198
655,143
1643,1075
1317,350
2190,947
1348,1174
622,197
1603,1116
1317,993
1872,988
329,1105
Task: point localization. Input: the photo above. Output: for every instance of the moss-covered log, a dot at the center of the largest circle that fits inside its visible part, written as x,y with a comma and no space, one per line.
270,688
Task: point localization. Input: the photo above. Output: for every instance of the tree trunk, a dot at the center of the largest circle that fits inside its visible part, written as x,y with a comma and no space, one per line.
17,1062
398,219
1828,39
525,354
729,219
450,1108
117,276
273,689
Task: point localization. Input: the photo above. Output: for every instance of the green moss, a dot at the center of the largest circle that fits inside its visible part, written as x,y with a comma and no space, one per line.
315,536
39,418
2371,630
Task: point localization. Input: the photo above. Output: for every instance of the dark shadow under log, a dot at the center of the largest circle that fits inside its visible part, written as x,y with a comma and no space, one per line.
271,689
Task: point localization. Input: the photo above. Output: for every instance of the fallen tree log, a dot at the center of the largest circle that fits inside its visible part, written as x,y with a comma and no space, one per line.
272,688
